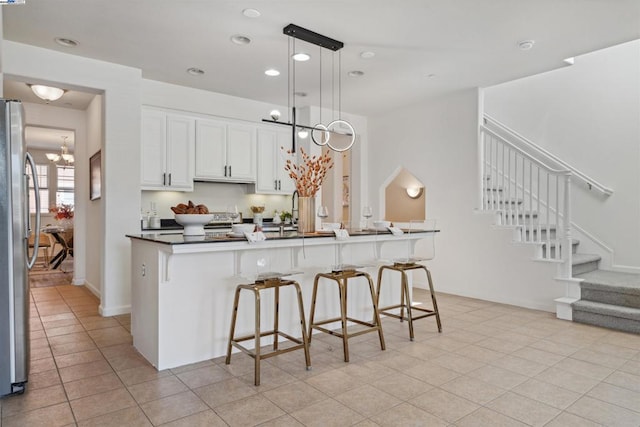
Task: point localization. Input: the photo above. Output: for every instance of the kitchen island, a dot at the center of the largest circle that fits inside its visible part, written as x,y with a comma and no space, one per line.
183,286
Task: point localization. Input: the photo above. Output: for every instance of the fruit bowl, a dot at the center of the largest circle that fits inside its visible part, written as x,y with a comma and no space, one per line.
193,223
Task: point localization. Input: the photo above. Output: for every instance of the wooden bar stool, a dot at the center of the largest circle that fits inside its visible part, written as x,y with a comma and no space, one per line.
404,265
341,277
275,283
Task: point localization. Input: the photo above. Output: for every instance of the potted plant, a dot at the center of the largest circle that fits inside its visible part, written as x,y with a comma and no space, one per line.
285,217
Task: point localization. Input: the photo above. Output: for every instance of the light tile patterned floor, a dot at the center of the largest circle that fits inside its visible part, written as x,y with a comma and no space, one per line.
493,365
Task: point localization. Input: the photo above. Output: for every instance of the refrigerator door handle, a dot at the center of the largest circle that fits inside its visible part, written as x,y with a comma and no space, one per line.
36,189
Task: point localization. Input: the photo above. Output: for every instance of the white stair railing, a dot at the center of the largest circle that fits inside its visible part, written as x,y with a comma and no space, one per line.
528,194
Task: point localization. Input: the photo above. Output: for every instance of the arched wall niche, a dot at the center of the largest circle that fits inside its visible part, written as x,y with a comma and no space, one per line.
404,197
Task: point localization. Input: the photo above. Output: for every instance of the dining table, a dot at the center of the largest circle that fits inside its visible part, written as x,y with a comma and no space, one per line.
58,235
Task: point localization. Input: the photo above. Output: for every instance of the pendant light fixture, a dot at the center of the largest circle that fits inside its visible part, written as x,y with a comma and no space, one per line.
339,135
64,156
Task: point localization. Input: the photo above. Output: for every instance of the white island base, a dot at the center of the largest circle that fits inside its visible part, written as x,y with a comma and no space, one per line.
182,292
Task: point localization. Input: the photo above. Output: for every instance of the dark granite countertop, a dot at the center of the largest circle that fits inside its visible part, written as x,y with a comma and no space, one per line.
221,237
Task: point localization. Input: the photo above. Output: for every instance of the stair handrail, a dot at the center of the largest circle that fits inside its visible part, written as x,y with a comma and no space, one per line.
590,182
526,154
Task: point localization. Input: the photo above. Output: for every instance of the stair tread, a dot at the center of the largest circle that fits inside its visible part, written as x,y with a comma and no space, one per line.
580,258
607,309
613,280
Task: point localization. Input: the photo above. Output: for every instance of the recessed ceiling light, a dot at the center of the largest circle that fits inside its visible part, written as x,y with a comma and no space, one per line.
430,76
367,55
355,73
63,41
301,57
251,13
195,71
272,72
240,39
526,44
300,94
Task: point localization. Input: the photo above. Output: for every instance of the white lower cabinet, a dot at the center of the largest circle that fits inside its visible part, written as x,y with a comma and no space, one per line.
225,151
167,151
272,177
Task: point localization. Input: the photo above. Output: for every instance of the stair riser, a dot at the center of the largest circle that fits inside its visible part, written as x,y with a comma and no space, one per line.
584,268
608,297
611,322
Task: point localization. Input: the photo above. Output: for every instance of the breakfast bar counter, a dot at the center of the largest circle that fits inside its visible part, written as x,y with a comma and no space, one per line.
183,286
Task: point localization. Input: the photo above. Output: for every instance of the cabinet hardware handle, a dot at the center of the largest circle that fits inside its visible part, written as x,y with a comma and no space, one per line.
279,185
225,170
230,170
169,178
275,184
164,179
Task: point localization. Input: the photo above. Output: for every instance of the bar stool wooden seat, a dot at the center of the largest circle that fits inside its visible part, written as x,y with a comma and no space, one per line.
404,265
274,282
341,275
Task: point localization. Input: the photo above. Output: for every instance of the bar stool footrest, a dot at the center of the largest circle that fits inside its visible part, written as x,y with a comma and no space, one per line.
372,327
236,344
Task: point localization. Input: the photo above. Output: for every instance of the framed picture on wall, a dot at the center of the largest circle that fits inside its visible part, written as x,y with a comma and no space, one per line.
95,176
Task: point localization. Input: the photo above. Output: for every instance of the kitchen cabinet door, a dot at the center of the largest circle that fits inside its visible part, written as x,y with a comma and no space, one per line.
272,178
167,151
154,146
241,152
180,146
211,150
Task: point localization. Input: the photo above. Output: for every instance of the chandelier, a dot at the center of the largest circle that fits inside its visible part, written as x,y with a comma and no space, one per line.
65,157
338,134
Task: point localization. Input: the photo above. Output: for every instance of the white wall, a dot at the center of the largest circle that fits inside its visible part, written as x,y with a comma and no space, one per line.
589,116
94,208
437,142
120,150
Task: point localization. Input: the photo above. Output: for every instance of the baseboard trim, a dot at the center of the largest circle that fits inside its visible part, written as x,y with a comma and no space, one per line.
114,311
92,288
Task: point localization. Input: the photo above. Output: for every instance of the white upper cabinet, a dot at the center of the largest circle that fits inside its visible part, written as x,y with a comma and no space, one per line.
272,178
225,151
167,151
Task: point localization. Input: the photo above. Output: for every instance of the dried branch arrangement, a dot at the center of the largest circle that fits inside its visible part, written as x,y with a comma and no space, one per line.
310,173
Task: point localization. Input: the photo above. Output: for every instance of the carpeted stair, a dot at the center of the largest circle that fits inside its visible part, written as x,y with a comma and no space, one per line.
609,299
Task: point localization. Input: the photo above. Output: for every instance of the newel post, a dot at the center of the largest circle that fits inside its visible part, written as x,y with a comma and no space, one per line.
567,254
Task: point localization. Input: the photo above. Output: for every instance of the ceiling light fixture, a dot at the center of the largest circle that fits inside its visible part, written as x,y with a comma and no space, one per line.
251,13
339,135
195,71
526,44
64,155
47,93
367,55
355,73
272,72
63,41
240,39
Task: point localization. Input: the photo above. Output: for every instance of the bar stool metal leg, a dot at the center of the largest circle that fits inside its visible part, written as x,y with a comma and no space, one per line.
341,278
405,296
257,353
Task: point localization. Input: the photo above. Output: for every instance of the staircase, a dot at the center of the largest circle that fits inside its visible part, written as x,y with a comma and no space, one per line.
529,190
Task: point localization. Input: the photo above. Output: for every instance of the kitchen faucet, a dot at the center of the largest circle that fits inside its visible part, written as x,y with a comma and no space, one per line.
294,211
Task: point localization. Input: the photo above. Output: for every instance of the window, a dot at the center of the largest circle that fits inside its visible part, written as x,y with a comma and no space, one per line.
65,186
43,186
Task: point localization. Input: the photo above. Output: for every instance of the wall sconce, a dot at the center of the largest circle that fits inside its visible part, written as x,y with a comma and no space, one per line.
414,192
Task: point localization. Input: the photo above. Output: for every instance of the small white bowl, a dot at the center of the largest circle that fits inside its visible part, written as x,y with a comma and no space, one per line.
381,225
193,223
242,228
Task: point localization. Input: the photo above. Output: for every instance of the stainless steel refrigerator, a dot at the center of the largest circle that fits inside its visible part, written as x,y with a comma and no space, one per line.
16,169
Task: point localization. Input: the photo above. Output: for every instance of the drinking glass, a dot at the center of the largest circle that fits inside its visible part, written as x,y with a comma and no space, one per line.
367,212
232,214
323,212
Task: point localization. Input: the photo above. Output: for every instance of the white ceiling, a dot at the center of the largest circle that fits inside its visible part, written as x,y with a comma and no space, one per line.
460,43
